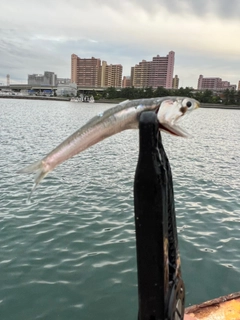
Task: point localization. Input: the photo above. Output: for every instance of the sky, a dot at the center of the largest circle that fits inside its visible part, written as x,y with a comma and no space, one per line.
41,35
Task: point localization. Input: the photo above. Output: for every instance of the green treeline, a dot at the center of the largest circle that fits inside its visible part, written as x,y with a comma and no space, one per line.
207,96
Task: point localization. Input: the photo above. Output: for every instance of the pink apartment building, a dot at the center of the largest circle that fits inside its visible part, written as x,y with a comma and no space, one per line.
155,73
126,82
209,83
214,84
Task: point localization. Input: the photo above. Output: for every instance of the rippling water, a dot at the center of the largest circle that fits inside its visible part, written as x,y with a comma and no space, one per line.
70,252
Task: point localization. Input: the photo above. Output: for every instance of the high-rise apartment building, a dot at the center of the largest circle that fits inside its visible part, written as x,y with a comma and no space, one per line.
140,74
111,75
213,84
175,82
155,73
91,73
74,68
85,72
126,82
209,83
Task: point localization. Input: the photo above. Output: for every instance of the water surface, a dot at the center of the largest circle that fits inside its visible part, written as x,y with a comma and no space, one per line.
70,252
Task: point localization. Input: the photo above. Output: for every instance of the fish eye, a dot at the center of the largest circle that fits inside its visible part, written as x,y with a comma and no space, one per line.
189,104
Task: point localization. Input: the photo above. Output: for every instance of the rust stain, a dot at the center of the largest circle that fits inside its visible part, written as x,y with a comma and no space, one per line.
223,308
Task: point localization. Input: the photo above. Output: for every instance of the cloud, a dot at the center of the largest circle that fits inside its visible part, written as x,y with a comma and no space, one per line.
42,35
223,9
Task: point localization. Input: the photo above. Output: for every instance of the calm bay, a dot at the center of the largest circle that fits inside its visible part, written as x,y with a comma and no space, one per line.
69,253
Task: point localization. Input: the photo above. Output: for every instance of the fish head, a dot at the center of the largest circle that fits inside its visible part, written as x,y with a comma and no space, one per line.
172,110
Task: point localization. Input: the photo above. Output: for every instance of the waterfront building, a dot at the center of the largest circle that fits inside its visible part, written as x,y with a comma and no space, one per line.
140,74
155,73
63,81
126,82
90,72
66,89
225,84
161,74
85,72
209,83
175,82
111,75
214,84
47,79
102,73
232,87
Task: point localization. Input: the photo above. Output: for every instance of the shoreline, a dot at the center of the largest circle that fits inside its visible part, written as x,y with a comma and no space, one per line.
220,106
112,101
203,105
34,98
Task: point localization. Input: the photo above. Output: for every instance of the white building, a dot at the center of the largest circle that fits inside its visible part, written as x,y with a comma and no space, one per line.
67,89
63,81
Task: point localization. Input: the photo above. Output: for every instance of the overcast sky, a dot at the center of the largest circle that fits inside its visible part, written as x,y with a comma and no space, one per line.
41,35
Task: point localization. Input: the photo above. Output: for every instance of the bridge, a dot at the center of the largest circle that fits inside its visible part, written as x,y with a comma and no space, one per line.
18,87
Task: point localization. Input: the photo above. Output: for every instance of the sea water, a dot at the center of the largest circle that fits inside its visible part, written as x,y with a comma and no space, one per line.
69,253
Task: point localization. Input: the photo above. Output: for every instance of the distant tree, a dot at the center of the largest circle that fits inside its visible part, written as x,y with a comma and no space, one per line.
110,93
237,96
226,96
148,92
205,96
232,99
140,93
161,92
229,96
128,93
185,92
198,95
216,98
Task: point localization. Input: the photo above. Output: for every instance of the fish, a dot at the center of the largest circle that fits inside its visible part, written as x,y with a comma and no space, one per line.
121,117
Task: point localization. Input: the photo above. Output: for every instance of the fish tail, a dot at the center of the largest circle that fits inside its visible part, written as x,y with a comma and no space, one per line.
41,172
32,167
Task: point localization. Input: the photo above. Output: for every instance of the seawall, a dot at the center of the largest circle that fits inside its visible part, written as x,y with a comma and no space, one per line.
34,98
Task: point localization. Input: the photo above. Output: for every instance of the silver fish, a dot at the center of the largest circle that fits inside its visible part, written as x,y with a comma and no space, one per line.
121,117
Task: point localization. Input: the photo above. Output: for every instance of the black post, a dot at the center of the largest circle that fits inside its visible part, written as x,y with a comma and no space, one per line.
160,288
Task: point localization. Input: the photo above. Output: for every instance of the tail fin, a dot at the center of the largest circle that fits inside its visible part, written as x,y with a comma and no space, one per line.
37,167
32,167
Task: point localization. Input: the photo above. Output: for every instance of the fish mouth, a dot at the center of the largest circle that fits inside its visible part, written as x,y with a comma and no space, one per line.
168,123
173,130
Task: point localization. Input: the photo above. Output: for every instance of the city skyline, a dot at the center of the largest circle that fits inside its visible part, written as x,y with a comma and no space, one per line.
95,72
36,36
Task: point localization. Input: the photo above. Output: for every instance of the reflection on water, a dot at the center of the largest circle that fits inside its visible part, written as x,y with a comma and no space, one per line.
70,252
